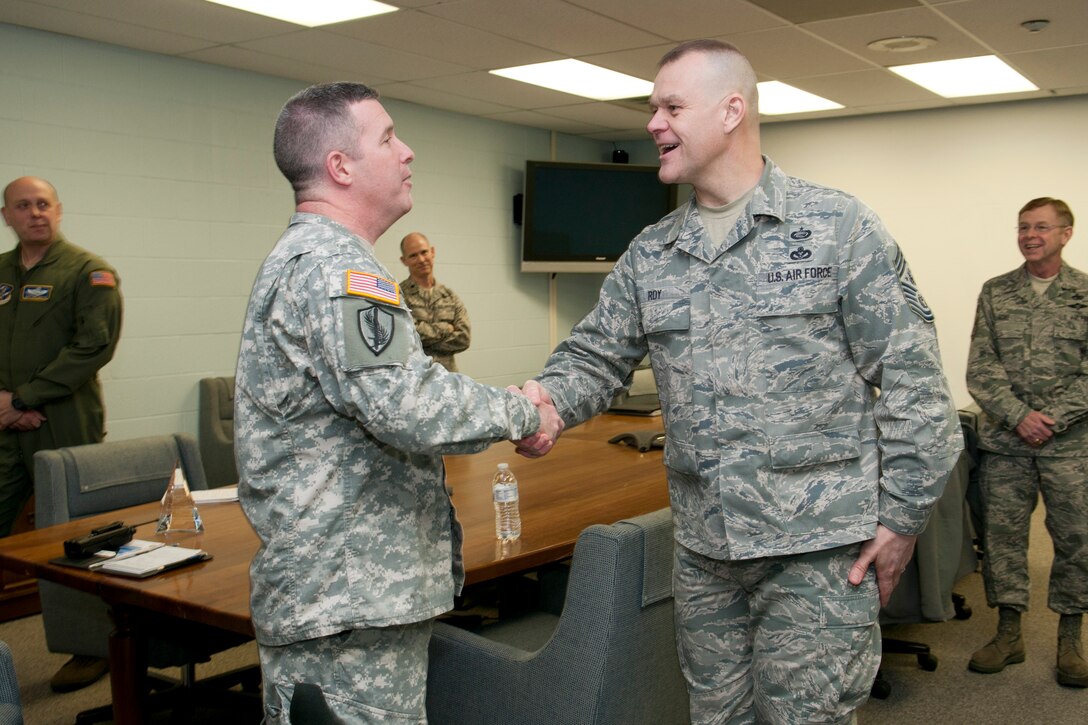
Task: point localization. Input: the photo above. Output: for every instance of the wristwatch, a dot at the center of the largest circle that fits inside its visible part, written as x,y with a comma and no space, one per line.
18,403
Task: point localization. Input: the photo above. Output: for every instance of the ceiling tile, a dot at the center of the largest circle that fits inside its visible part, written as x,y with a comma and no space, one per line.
854,35
874,88
550,24
355,56
80,25
1057,69
485,86
997,23
804,11
783,53
540,120
640,62
601,114
235,57
444,40
439,99
195,18
698,18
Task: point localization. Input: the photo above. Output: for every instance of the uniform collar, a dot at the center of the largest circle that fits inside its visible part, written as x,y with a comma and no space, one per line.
51,255
768,200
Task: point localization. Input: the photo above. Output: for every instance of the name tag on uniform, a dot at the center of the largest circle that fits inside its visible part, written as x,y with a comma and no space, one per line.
36,292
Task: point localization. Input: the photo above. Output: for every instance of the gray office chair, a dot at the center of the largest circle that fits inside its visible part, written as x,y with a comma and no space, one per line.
609,658
78,481
216,429
11,707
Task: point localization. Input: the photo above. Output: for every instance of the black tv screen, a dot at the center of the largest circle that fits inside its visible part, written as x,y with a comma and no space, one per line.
580,217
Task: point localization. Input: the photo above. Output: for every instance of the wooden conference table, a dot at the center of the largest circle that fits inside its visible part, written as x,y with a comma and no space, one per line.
583,481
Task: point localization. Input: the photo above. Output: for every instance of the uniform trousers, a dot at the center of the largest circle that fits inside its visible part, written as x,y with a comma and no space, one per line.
776,640
1010,487
372,675
17,449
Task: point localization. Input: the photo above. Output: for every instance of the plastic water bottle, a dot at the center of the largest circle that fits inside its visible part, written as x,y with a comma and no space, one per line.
504,492
177,510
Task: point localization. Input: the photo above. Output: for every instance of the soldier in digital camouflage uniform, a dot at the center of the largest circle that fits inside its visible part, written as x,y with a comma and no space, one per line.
440,317
341,422
772,310
1028,371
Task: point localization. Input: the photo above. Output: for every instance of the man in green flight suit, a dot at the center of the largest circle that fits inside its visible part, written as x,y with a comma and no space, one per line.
60,319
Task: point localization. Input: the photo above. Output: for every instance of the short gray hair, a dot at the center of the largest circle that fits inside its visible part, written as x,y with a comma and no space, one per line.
314,122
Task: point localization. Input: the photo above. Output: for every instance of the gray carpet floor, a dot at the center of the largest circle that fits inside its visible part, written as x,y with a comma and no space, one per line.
1022,694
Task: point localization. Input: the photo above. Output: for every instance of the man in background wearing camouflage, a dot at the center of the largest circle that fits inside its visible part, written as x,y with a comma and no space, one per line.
772,310
1029,352
341,422
440,316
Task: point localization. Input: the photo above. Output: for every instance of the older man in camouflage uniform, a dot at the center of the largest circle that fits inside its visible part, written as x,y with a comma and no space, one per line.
1029,357
341,422
772,310
440,317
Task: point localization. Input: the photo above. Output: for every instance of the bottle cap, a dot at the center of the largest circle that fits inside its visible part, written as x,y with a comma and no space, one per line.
503,466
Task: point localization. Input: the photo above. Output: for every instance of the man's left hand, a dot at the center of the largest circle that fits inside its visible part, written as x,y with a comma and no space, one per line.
890,552
8,414
30,420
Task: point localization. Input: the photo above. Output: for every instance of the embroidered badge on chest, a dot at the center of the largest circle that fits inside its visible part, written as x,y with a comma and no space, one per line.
376,326
5,293
36,292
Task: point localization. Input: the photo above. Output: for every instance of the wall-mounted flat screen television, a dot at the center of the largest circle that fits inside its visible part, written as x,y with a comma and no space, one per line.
580,217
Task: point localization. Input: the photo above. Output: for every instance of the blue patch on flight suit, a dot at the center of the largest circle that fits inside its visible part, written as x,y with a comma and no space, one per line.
36,292
5,293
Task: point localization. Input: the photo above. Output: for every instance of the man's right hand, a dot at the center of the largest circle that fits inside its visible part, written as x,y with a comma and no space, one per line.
1035,429
551,424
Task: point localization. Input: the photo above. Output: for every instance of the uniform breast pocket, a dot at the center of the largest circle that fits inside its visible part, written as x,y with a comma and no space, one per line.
1070,327
667,324
665,316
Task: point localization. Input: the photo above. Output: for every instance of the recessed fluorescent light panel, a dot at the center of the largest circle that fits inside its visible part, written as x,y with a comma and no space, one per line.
580,79
980,76
312,12
776,98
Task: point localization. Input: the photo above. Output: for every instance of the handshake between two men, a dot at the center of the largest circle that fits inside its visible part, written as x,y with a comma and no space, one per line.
551,425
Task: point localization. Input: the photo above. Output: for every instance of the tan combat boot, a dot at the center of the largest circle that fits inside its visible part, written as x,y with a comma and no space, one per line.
1007,648
1072,669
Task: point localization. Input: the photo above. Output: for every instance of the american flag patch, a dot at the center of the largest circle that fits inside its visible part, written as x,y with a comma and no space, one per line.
102,278
365,284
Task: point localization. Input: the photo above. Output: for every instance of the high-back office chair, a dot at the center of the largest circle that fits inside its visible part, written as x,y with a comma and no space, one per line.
611,656
943,554
78,481
216,429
